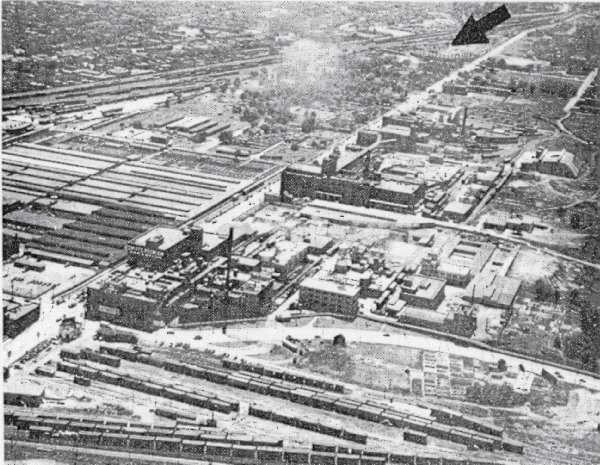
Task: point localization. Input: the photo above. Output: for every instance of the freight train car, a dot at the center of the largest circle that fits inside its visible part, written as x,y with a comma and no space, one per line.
231,448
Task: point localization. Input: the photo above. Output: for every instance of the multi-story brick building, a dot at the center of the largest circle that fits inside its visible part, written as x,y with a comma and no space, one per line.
328,296
158,248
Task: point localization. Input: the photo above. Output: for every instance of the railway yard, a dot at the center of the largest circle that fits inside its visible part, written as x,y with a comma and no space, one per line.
210,403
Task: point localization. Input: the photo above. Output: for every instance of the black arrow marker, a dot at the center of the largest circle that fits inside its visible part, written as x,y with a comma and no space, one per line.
473,32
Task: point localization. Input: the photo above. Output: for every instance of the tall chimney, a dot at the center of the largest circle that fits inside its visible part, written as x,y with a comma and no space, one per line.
229,251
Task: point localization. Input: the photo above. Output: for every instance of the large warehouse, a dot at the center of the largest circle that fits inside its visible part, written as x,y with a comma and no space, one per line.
553,162
325,183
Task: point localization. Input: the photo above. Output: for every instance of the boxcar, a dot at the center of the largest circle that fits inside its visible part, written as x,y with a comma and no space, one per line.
367,460
402,458
141,443
192,448
510,445
296,456
243,451
114,440
426,459
82,380
90,438
40,432
269,454
167,444
218,449
348,459
68,353
322,458
415,436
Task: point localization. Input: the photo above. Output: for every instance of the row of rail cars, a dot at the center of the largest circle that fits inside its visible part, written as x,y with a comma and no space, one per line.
442,423
196,442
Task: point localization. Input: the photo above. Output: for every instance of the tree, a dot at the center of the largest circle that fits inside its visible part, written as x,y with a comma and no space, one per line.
310,122
543,289
501,365
226,137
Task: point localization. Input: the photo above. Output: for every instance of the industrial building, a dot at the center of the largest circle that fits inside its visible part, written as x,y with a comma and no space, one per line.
326,183
248,296
136,298
502,221
462,322
18,317
553,162
496,137
453,274
457,211
23,394
422,291
284,257
493,290
321,294
441,113
458,260
159,247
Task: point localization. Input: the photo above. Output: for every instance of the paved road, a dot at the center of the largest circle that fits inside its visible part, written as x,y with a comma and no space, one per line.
571,103
415,100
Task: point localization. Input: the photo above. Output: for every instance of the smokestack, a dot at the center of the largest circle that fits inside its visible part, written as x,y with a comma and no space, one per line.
464,122
229,250
367,170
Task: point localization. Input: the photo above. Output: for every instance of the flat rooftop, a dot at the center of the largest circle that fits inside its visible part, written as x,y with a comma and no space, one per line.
170,237
426,287
405,188
36,220
330,286
75,207
306,168
451,268
460,208
403,131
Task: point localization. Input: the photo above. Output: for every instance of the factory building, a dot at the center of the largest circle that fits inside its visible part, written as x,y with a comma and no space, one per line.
457,211
308,181
453,274
18,317
401,135
502,221
441,113
462,322
325,295
157,249
493,137
250,296
23,394
493,290
284,257
136,298
318,245
553,162
422,291
366,138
